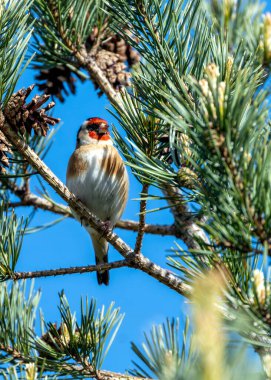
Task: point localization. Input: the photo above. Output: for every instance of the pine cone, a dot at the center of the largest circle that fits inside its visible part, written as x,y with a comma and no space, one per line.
187,178
59,81
113,68
25,117
52,341
133,56
53,81
61,338
117,45
112,54
5,147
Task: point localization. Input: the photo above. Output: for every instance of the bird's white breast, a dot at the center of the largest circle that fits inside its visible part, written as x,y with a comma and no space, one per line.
97,176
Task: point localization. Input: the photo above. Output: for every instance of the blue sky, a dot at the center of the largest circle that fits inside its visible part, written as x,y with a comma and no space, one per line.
143,300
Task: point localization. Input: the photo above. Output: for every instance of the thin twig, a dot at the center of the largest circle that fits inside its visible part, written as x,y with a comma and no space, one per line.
70,270
137,261
154,229
30,199
142,218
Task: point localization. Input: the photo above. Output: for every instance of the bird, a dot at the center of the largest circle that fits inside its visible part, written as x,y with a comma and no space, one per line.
96,174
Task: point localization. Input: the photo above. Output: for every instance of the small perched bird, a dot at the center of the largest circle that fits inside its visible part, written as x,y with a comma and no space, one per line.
97,176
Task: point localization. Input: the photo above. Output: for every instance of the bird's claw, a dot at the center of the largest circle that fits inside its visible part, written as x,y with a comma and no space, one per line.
106,227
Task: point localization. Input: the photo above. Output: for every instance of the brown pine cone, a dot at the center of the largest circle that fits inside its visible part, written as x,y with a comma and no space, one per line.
126,53
52,81
113,68
25,117
5,148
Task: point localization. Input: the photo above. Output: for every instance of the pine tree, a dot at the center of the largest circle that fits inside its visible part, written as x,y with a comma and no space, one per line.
188,87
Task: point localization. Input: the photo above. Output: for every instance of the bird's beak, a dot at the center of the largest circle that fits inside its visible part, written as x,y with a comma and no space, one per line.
103,128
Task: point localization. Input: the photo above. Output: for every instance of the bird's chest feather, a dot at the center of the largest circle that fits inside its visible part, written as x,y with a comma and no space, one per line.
97,177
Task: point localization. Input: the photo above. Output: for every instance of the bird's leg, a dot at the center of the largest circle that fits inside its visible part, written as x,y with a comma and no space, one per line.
106,227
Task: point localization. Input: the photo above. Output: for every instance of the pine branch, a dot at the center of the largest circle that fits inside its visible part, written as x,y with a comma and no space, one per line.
142,219
98,76
71,270
188,231
15,353
30,199
137,261
82,342
154,229
90,371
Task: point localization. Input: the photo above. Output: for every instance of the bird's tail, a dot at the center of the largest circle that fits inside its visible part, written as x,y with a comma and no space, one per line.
101,254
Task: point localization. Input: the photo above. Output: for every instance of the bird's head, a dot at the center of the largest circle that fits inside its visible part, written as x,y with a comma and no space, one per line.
93,131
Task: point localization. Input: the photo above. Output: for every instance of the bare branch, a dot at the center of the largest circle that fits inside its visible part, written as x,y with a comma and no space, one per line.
138,261
142,219
35,201
71,270
30,199
154,229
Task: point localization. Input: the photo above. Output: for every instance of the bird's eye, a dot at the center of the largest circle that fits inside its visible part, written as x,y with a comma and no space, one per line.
92,127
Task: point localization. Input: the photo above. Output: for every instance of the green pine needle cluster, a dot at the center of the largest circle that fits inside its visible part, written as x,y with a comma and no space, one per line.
16,31
11,238
75,349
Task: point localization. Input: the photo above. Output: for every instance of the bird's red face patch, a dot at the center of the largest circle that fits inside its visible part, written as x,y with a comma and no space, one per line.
98,128
99,136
